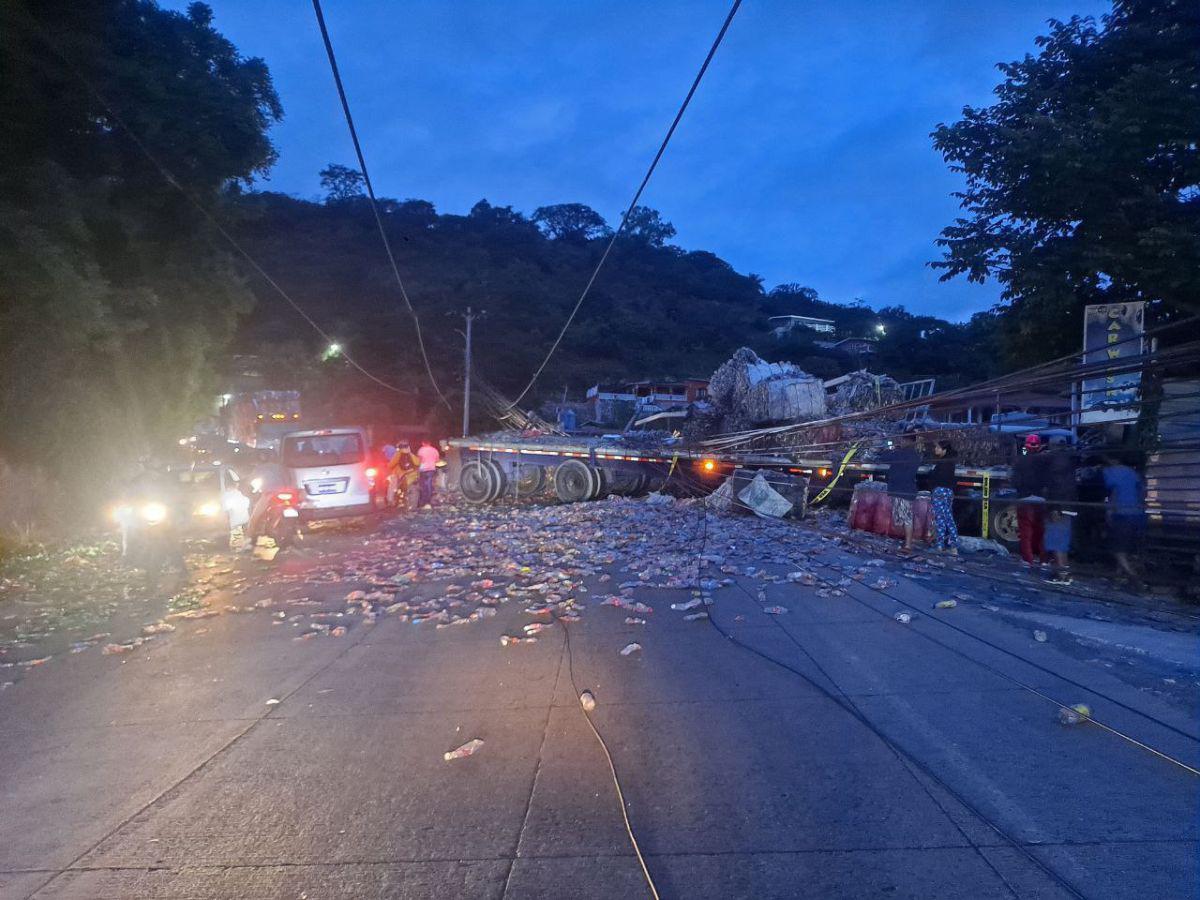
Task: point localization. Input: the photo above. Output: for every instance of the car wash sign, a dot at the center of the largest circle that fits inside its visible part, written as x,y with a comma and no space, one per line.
1112,336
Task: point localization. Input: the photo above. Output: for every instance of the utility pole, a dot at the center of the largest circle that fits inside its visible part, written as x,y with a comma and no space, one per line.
470,317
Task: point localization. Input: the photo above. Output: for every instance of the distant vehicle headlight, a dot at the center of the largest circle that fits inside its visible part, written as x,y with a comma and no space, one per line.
209,509
154,513
121,513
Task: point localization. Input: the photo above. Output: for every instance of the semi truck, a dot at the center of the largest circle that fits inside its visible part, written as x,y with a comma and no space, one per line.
260,418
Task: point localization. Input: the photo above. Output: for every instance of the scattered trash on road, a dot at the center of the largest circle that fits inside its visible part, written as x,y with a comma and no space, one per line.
903,618
273,702
945,604
630,648
683,607
1075,714
694,617
1039,636
507,640
774,610
467,749
587,701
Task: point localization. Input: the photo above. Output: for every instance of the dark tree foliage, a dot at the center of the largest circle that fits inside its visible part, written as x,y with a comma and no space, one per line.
571,222
115,304
342,183
1083,179
646,225
655,311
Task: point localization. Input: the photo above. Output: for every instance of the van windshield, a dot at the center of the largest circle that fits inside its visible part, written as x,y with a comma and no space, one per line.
322,450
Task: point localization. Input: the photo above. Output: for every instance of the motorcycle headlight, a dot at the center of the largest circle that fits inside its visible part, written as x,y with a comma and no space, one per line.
154,513
209,509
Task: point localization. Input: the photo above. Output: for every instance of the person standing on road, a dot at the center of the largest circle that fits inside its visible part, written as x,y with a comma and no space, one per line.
1059,481
268,478
1028,479
1126,515
429,459
903,461
941,480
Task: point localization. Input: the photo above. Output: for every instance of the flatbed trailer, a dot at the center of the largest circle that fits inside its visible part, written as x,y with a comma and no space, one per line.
581,469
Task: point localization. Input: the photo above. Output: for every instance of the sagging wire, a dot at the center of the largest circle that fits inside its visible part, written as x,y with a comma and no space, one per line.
906,758
170,179
637,196
612,767
990,644
362,164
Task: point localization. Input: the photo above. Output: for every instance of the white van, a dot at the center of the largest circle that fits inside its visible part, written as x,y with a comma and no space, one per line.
332,471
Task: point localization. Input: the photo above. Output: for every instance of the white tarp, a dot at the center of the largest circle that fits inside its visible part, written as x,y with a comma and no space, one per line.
764,500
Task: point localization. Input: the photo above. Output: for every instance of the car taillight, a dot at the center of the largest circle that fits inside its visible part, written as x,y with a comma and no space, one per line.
372,472
285,496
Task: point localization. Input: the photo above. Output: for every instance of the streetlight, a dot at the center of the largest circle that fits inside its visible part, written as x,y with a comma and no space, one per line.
879,328
334,349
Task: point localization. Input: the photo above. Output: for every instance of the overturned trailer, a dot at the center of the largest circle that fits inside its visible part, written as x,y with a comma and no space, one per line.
515,465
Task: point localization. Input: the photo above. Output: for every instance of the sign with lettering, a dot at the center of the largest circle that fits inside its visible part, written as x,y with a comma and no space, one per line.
1113,335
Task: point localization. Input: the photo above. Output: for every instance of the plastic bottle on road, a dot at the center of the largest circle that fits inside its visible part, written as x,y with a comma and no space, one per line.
464,751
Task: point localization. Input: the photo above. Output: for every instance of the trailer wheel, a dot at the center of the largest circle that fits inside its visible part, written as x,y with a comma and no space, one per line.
624,483
497,479
1003,526
603,481
475,482
574,481
530,480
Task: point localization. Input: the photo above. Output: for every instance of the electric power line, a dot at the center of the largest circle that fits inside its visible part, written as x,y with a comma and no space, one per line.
362,164
637,196
200,207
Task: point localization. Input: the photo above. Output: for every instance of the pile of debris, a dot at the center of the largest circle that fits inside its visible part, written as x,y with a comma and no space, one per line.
748,392
862,391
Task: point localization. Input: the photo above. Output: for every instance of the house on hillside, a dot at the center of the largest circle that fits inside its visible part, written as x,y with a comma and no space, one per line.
781,326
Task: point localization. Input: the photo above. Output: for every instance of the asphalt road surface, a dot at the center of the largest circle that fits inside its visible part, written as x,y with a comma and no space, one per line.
880,759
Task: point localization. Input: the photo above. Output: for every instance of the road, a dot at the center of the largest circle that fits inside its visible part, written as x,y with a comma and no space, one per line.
825,751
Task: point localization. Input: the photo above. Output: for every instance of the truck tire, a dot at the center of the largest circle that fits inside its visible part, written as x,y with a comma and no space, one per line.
530,480
603,482
575,481
496,478
474,481
1003,525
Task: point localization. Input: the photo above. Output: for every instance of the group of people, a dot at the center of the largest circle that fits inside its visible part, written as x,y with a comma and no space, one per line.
1046,478
403,466
904,464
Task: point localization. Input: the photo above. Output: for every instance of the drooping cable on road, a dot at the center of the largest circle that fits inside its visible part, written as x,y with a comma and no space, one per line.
846,703
612,768
200,207
362,164
1016,681
636,197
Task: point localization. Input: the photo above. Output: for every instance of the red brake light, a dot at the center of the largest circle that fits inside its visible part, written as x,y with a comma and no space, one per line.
285,496
372,472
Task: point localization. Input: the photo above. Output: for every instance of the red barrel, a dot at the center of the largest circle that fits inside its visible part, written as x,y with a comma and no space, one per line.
882,523
862,505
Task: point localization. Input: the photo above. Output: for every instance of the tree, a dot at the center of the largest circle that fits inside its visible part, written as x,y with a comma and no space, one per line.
341,183
1083,179
116,304
648,226
570,222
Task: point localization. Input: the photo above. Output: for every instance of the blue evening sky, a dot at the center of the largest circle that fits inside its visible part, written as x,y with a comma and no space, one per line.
804,157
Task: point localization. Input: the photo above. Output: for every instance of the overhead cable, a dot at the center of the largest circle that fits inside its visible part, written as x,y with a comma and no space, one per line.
200,207
362,164
637,196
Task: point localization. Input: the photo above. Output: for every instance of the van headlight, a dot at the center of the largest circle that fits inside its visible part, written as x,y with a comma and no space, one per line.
209,509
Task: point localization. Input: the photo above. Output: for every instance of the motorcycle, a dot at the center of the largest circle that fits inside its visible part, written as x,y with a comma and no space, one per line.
282,520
